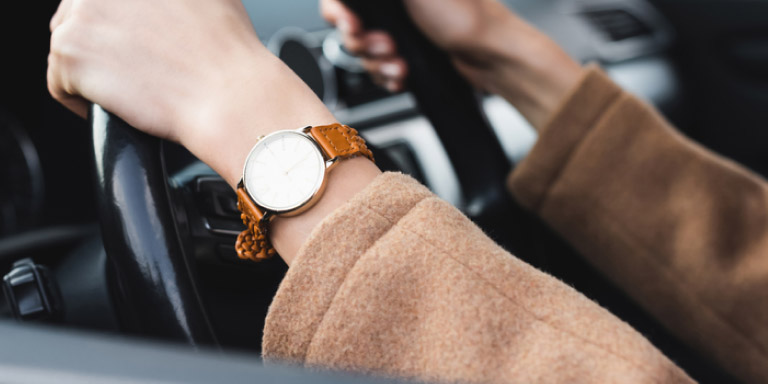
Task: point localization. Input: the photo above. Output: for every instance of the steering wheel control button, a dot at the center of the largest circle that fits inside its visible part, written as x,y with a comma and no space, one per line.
216,198
30,291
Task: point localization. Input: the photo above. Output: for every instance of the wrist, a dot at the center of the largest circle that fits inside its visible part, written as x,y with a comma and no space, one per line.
349,177
524,66
260,95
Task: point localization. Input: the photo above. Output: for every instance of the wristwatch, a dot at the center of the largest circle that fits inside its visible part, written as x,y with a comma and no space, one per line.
284,175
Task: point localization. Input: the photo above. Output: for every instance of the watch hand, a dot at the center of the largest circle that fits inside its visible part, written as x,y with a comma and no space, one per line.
298,162
275,157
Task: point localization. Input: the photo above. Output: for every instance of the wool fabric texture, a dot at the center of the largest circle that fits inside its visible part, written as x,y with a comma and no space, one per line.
682,230
401,284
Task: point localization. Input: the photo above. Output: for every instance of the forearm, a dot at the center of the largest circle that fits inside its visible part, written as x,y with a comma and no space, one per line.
518,62
678,228
224,133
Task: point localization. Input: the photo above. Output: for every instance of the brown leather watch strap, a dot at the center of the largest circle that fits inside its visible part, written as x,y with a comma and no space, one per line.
253,243
338,142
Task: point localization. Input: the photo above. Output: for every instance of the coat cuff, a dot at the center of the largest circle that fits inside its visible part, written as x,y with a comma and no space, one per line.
324,261
561,136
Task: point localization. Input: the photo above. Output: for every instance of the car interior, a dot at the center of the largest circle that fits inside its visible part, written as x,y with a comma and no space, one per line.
105,231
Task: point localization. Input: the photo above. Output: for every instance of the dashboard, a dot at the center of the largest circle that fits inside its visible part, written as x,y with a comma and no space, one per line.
628,38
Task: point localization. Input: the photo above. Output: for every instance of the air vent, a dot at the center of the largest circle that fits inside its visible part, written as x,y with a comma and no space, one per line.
617,24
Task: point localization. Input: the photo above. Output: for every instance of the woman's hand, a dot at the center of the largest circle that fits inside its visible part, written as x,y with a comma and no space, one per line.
191,71
155,64
454,25
492,47
195,72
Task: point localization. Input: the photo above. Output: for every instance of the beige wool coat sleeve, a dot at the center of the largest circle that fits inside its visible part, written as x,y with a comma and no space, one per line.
681,230
399,283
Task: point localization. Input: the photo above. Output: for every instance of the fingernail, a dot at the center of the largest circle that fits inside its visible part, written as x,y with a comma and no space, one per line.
379,48
392,86
391,70
343,26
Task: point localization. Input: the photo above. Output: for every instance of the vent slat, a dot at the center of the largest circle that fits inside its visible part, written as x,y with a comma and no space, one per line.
617,24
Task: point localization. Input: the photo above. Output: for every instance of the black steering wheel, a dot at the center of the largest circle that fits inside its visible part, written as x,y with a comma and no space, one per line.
451,105
157,295
143,229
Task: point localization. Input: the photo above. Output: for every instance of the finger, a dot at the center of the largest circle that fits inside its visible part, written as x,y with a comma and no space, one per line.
379,44
61,14
379,80
60,90
389,74
76,104
354,44
395,86
356,40
394,69
392,85
336,13
375,44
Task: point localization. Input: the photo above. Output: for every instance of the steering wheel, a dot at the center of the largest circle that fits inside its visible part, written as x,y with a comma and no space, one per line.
451,105
157,295
144,228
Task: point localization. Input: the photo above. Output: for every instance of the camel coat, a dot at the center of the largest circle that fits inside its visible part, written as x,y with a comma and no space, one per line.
399,283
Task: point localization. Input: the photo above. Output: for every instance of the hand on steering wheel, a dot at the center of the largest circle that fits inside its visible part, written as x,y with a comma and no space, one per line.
195,72
192,71
487,43
456,26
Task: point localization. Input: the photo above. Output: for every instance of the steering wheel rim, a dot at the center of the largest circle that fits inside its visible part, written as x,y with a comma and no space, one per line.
156,294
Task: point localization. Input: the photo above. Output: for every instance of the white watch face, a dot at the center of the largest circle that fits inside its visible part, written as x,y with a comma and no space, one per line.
284,171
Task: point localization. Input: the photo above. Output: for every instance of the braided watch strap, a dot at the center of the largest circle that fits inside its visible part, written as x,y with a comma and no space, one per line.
338,142
252,243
